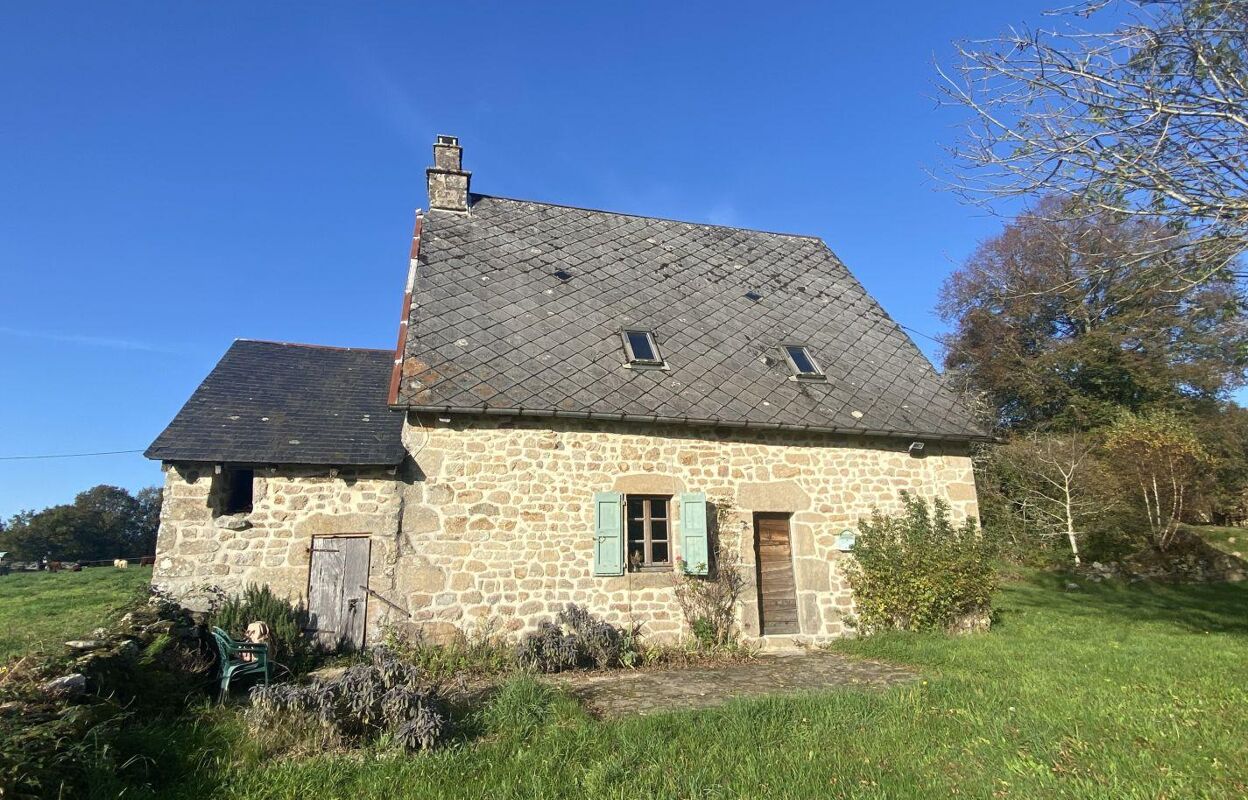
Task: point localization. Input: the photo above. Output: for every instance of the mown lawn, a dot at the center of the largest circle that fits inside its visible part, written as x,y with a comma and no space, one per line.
40,610
1107,692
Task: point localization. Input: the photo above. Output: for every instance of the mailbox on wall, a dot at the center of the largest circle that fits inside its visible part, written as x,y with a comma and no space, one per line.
845,540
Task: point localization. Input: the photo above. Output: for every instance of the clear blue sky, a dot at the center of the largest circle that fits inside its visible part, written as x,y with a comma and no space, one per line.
177,175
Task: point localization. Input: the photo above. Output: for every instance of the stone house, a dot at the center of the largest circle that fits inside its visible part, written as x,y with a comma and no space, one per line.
580,405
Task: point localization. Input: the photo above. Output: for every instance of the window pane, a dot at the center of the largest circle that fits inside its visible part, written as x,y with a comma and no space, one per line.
636,531
658,508
635,507
659,551
802,360
658,530
639,341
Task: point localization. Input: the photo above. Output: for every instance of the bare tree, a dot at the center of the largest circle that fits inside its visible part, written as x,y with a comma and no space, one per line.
1149,118
1054,480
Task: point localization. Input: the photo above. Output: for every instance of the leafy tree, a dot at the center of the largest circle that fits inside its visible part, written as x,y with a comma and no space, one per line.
1146,118
1062,322
1160,458
1224,435
146,521
103,522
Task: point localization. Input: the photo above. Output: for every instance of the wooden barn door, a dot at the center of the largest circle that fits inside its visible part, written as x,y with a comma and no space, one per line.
337,598
777,591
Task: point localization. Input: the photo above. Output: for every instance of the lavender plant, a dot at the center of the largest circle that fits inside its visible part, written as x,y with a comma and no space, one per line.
382,697
576,639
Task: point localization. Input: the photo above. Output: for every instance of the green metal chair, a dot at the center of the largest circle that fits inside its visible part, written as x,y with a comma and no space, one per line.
232,663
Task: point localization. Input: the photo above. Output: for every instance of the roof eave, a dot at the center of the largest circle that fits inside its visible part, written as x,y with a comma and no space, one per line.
156,452
695,421
199,458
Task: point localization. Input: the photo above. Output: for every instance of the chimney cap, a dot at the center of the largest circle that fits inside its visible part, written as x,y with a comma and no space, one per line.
443,139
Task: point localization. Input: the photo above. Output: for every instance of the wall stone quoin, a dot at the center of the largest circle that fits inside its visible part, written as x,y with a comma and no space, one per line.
491,519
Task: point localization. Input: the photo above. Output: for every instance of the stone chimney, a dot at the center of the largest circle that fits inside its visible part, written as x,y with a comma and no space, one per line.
448,182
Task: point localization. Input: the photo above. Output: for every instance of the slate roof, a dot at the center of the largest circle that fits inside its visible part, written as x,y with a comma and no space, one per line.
270,402
491,328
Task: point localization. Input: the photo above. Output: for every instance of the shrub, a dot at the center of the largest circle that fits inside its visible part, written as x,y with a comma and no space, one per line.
287,621
709,602
577,639
383,697
916,571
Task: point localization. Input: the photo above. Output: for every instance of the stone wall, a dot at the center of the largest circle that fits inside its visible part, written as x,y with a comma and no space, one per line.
500,522
492,522
200,546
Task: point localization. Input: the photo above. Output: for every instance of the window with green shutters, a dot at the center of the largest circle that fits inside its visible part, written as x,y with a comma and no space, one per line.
634,532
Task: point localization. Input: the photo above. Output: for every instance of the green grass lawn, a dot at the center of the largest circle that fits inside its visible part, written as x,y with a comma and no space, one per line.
1229,540
1107,692
41,610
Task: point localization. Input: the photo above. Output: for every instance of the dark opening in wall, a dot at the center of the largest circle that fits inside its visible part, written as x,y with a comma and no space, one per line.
238,490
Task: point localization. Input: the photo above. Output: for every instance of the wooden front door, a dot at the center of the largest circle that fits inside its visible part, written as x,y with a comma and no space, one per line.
337,590
777,592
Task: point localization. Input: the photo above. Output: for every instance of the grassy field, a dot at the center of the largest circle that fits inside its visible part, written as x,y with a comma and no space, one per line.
39,610
1229,540
1106,692
1111,691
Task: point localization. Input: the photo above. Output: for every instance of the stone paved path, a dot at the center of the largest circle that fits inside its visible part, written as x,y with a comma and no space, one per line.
624,692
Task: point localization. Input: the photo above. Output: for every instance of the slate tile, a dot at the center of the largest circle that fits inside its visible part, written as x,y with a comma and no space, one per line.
687,282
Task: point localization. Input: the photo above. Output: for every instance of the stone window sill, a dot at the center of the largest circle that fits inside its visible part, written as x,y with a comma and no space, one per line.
233,522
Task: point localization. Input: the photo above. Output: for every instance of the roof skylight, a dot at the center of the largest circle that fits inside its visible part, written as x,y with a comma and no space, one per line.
641,348
803,363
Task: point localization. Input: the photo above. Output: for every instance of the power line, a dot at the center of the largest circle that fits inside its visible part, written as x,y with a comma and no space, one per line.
68,455
126,452
921,333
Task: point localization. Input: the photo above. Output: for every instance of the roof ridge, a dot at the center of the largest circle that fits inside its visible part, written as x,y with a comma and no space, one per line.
317,346
786,234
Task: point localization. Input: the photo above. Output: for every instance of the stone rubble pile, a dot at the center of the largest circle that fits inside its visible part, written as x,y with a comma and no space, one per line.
105,657
1188,560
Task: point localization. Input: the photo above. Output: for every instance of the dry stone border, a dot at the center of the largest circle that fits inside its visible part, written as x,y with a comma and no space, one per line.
621,693
1190,559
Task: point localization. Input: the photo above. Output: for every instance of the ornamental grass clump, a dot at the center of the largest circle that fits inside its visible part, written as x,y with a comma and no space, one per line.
385,698
917,571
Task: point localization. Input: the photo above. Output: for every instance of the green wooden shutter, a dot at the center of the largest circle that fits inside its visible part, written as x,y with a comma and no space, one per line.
608,533
693,538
